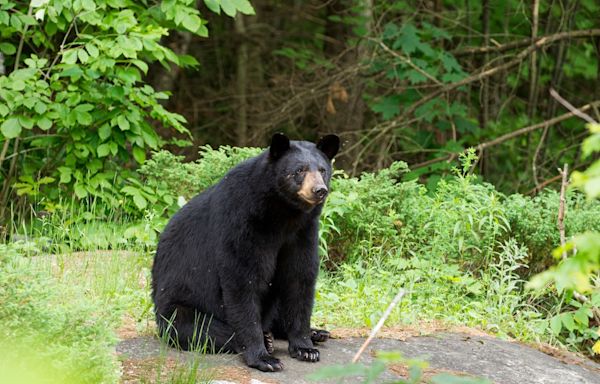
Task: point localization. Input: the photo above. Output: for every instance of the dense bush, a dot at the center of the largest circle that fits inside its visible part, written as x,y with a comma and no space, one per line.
376,215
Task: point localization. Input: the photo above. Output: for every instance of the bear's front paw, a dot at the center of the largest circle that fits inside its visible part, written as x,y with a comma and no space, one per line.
305,354
266,363
319,335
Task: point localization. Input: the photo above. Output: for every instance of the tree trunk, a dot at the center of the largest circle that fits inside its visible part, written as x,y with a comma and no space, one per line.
345,112
485,91
241,133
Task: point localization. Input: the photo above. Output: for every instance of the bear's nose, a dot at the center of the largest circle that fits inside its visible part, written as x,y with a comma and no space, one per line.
320,192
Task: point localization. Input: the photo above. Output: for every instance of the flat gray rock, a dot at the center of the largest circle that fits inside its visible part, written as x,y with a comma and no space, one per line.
500,361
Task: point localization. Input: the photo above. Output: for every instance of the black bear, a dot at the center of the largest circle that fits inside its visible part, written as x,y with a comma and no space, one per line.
237,265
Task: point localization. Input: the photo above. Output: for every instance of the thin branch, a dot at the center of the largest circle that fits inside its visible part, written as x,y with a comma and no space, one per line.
406,60
61,49
3,153
380,323
527,41
570,107
538,149
512,135
541,186
384,128
20,48
562,207
533,73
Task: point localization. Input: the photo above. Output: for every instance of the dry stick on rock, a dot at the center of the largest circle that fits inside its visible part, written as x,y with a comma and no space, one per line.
386,314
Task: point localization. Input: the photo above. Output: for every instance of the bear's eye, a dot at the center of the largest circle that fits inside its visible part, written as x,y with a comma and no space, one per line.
322,170
298,172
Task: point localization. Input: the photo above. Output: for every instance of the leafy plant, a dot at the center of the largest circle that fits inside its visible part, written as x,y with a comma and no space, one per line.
75,109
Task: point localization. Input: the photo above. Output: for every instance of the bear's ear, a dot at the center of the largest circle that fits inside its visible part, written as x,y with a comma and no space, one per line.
329,145
279,145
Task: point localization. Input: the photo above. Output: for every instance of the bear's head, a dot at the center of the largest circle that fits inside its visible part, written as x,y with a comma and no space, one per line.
303,169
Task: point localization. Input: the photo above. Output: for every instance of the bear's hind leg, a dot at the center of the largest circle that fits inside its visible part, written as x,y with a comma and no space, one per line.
185,328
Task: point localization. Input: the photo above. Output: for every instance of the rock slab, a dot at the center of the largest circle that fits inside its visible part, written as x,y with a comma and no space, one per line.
500,361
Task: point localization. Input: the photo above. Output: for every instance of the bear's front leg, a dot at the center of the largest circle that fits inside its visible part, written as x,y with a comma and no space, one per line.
297,274
242,309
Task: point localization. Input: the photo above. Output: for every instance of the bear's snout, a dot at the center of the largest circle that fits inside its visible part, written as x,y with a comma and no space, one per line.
320,191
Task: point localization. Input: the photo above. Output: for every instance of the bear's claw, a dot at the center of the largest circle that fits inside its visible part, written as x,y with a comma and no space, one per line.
319,335
306,354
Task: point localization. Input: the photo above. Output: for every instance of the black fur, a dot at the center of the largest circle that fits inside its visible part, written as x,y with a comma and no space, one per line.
240,259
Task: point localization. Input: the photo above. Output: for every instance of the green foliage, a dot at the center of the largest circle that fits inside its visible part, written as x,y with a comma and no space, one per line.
576,271
533,221
76,100
49,331
173,182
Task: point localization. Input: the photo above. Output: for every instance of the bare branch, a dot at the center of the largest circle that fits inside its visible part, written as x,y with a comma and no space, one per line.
527,41
514,134
562,207
571,108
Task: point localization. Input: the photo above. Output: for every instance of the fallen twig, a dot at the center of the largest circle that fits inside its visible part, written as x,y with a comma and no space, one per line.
384,317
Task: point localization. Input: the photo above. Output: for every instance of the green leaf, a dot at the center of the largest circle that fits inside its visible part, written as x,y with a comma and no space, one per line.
88,5
213,5
84,118
92,50
3,110
26,122
140,201
582,317
103,150
141,65
11,128
408,39
389,106
244,7
567,320
69,56
191,22
17,85
139,155
556,324
65,174
46,180
114,148
123,123
80,191
83,55
40,107
104,131
44,123
8,48
228,7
